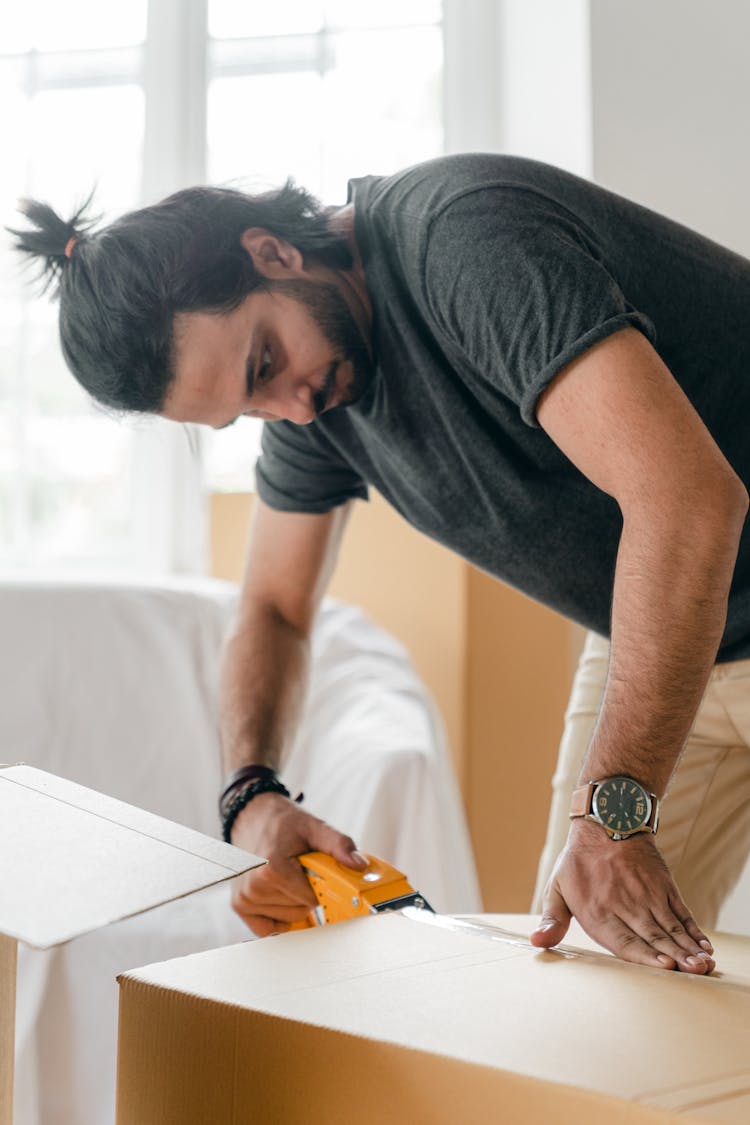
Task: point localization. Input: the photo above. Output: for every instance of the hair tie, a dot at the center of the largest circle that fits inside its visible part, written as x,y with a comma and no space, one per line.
69,245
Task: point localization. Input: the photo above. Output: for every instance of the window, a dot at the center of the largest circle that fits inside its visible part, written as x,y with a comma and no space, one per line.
322,92
64,470
137,100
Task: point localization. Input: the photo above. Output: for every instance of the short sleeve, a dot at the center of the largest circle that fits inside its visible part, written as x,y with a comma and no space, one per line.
520,288
300,471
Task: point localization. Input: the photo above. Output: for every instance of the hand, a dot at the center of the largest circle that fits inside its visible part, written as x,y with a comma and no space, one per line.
623,895
270,898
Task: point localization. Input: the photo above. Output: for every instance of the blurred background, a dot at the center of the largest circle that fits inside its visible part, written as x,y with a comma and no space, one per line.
136,100
141,98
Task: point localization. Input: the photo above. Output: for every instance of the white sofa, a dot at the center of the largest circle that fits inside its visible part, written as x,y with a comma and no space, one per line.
114,685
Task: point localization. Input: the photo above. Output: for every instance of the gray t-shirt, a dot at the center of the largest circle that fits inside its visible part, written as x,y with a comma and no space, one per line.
487,275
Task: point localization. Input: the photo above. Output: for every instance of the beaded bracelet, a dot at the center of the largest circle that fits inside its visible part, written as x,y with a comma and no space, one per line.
245,796
239,778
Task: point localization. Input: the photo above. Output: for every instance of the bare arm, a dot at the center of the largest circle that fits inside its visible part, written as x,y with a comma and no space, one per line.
264,681
623,420
289,563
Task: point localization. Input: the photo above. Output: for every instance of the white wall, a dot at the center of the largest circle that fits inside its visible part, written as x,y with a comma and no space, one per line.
544,60
670,97
517,79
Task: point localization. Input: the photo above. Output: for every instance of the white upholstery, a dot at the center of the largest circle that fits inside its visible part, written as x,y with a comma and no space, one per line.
114,686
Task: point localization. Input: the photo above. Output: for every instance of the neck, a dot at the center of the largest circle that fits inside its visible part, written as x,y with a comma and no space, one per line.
354,281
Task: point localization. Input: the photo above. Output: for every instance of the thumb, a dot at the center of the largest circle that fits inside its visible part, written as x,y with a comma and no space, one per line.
341,847
555,921
350,857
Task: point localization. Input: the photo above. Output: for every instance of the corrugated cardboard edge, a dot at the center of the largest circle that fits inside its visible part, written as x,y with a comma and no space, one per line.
8,957
273,1068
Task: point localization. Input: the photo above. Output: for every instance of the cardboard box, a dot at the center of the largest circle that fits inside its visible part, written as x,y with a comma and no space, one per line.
72,860
387,1019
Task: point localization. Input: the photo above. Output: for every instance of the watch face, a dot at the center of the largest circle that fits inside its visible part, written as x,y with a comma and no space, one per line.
622,805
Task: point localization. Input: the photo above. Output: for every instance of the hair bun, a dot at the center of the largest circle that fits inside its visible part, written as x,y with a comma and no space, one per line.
50,240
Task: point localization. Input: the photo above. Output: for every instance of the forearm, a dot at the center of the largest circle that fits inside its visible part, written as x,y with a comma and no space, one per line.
669,609
262,690
263,686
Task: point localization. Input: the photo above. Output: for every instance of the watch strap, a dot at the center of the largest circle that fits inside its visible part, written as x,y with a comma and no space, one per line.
580,802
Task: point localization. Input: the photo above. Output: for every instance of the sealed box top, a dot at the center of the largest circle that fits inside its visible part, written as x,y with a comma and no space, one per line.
600,1035
72,860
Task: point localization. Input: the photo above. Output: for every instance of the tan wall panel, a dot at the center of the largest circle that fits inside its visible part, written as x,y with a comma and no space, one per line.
229,525
8,958
519,673
417,590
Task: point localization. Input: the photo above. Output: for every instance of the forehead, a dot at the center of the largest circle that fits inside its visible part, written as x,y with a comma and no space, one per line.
206,347
201,339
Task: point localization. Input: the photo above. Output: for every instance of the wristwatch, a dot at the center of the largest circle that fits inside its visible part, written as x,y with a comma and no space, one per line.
620,804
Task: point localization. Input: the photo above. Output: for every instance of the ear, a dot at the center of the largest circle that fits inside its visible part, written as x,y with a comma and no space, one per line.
272,256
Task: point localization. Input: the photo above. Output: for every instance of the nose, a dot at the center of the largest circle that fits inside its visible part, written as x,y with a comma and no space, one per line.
292,402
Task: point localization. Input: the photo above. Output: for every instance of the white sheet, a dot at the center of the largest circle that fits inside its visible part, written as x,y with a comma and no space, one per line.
114,686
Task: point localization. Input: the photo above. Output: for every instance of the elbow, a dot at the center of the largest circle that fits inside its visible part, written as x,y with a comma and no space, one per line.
733,500
719,513
705,510
262,613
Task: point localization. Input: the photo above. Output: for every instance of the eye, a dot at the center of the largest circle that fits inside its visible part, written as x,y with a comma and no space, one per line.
264,366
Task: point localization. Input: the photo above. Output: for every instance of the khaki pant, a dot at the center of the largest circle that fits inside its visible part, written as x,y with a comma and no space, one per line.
704,830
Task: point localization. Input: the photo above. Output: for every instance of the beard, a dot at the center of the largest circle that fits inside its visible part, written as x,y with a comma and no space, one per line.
332,316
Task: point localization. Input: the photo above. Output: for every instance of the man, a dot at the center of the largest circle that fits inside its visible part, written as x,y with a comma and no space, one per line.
547,378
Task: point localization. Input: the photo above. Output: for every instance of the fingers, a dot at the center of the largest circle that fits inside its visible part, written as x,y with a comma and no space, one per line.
647,942
272,897
271,919
663,933
264,927
281,881
643,941
326,839
267,906
625,899
682,913
672,931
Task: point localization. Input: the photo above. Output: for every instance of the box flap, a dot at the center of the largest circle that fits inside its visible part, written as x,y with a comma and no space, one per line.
72,860
569,1018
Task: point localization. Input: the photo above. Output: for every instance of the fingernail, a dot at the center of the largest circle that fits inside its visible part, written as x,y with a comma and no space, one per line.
360,858
699,959
664,959
547,926
706,944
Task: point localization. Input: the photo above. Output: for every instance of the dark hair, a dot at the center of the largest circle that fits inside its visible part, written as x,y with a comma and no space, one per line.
120,287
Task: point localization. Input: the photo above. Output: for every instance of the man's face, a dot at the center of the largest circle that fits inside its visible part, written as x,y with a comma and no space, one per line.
290,351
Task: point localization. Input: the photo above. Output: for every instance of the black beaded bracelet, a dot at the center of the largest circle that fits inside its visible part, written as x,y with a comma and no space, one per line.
238,779
245,796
